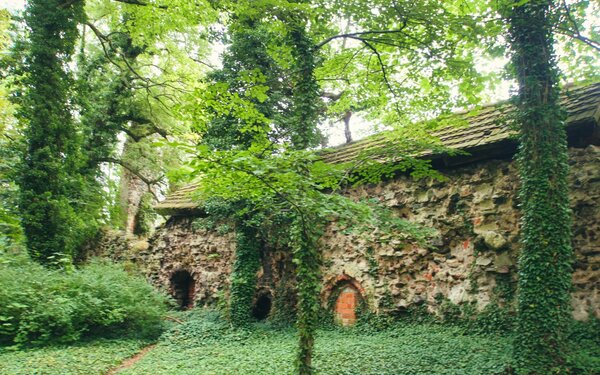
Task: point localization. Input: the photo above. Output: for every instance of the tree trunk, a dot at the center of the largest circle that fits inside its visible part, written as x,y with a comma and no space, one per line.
546,254
347,132
131,191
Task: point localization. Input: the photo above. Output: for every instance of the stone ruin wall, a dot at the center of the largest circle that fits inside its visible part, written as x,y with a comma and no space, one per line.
179,246
475,216
476,243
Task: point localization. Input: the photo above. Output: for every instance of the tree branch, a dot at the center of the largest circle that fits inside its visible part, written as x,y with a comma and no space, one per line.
140,3
575,35
359,33
332,96
147,82
149,182
574,32
383,68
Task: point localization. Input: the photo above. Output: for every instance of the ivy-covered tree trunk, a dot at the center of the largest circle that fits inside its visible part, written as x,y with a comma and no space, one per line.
546,254
243,276
306,101
306,95
307,261
52,139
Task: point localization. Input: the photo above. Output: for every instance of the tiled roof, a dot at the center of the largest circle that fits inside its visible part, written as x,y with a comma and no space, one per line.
487,126
181,200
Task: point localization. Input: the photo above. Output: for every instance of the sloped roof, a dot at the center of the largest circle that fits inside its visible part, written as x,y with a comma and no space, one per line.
486,127
179,200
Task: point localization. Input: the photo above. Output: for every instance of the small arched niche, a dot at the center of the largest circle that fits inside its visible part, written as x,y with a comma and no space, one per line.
262,304
346,303
345,296
182,288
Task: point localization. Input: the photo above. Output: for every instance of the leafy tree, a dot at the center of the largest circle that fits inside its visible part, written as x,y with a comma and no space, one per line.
404,62
152,67
49,173
10,229
262,109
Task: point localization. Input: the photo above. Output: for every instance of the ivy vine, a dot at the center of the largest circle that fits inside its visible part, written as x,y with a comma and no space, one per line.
544,283
243,275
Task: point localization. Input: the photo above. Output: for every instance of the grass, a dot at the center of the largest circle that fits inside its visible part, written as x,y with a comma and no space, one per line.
85,358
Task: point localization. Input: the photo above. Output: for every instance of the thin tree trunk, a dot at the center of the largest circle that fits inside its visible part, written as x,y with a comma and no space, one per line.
347,132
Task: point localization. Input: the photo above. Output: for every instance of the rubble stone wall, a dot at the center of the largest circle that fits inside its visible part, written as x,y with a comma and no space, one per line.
180,246
472,257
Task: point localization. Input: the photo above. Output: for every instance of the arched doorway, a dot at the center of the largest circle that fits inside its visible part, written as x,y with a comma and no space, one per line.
182,288
262,305
346,304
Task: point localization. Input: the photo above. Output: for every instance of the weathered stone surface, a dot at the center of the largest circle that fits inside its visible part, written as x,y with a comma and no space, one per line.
493,239
477,223
206,255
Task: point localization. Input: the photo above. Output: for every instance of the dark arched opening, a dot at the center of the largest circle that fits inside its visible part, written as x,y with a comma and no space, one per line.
182,287
262,305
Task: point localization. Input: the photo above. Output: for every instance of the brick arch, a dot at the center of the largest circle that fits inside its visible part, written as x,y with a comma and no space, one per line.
344,294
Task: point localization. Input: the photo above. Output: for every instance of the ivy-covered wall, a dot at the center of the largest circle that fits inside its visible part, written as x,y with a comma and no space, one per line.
471,259
474,253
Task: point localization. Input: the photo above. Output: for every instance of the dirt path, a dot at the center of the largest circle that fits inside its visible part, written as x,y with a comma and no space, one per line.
131,360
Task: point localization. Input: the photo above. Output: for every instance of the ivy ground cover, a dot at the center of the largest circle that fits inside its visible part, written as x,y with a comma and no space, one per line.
410,350
209,346
206,344
93,357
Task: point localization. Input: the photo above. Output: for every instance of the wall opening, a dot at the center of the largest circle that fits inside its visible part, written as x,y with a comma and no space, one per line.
262,305
182,287
346,304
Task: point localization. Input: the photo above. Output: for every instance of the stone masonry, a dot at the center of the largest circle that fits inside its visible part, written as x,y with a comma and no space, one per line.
474,249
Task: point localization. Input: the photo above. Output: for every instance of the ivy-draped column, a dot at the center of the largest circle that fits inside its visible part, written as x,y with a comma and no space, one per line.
243,276
546,254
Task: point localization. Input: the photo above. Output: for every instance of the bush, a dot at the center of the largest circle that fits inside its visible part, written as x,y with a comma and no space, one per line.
38,305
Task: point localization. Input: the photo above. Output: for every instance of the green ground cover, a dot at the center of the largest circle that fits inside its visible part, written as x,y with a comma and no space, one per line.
208,346
205,344
86,358
409,350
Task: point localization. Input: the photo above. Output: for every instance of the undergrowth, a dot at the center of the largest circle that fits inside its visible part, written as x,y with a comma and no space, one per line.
43,306
82,358
202,341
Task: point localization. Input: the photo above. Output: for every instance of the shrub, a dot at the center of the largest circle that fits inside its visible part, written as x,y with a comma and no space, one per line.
38,305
